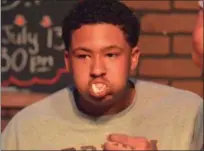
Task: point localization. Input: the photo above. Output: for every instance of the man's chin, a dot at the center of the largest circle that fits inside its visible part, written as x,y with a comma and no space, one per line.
101,101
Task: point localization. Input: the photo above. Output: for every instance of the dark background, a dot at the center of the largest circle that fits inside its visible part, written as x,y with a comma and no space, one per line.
50,79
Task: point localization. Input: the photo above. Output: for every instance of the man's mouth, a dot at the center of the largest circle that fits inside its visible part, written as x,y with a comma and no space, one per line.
99,89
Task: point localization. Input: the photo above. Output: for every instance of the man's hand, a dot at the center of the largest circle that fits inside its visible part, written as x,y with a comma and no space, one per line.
197,53
124,142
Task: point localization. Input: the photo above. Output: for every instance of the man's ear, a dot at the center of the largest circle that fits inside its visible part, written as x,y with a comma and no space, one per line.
134,58
66,60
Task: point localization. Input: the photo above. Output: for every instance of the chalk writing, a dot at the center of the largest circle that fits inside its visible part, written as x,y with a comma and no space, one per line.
53,38
23,37
28,43
8,5
10,62
31,44
41,63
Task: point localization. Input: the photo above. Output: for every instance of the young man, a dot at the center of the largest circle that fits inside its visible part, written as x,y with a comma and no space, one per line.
104,109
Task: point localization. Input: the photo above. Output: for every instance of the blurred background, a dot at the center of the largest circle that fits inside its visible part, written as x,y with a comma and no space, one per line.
32,65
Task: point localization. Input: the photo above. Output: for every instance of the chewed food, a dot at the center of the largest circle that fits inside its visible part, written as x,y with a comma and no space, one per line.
98,88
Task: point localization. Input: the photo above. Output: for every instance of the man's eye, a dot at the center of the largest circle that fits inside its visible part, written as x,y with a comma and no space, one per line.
111,55
82,56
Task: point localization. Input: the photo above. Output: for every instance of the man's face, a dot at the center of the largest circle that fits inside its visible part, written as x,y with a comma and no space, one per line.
100,61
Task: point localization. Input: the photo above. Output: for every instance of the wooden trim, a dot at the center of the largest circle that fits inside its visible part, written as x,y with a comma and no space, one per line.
20,99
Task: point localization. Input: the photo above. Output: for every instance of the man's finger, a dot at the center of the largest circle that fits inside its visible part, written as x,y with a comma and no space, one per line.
115,146
128,140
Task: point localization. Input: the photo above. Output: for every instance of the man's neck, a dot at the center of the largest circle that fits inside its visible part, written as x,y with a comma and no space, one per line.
97,111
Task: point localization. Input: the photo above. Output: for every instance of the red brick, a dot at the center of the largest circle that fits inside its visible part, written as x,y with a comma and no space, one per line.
158,45
168,68
182,44
148,4
186,4
168,23
194,86
16,99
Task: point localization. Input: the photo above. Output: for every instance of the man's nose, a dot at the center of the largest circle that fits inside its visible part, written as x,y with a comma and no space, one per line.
97,67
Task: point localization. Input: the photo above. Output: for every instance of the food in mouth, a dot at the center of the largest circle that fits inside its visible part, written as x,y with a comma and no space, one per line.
99,89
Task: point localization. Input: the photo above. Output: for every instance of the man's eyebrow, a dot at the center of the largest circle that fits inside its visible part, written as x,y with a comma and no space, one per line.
103,49
113,47
82,49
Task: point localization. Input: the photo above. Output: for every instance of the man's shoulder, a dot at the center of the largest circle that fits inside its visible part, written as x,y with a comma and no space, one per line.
168,94
168,104
47,105
143,85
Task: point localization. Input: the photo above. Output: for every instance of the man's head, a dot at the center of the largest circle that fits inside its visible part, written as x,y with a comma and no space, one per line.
101,39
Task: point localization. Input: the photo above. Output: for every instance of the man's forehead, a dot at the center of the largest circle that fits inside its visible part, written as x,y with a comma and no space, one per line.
102,36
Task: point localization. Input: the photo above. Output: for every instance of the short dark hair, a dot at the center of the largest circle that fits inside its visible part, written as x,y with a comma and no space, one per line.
101,11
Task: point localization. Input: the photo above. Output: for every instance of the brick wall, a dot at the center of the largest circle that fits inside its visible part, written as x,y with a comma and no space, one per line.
165,42
165,45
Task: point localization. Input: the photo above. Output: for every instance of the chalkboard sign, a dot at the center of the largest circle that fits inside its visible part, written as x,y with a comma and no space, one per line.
31,46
